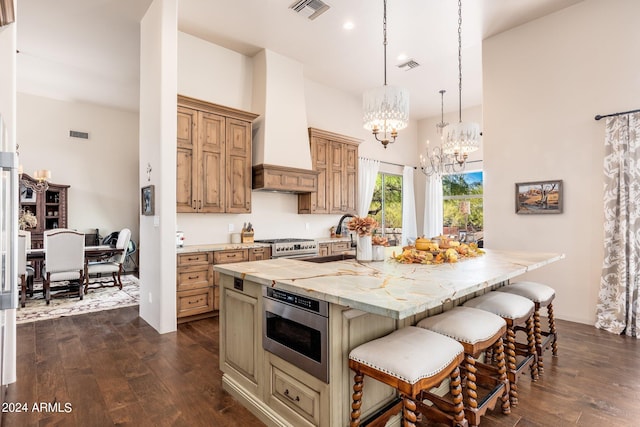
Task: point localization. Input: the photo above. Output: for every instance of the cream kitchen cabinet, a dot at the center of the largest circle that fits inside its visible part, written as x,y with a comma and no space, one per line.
213,158
335,158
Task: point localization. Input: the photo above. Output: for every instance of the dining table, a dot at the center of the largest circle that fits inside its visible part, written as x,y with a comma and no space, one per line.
91,253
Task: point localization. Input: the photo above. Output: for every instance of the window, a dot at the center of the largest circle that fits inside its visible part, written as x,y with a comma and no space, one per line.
386,206
462,205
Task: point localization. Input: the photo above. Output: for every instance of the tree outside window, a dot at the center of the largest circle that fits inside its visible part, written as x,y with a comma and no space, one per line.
386,206
463,203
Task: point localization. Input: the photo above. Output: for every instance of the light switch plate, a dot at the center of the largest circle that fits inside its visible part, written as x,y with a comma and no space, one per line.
156,220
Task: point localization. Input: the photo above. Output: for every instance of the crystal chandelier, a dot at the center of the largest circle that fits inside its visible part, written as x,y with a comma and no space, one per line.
386,109
436,161
462,138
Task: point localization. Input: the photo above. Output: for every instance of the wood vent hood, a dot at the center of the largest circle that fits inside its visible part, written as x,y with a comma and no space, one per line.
284,179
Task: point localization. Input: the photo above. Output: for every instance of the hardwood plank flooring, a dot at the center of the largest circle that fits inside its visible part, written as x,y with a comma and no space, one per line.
112,368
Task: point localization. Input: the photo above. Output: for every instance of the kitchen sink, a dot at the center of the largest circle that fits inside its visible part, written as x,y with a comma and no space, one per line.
329,258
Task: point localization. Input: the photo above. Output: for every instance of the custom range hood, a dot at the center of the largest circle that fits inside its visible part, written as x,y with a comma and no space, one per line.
281,153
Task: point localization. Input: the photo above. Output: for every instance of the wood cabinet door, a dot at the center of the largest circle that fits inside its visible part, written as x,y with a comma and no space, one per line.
320,160
350,182
211,164
186,187
238,163
336,178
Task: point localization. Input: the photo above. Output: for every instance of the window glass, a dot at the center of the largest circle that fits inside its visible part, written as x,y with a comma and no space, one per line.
462,204
386,206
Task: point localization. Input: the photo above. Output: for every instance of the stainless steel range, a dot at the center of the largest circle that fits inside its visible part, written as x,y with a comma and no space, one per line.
292,248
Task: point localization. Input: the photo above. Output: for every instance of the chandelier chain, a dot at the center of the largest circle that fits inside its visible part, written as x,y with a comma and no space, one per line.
460,60
384,42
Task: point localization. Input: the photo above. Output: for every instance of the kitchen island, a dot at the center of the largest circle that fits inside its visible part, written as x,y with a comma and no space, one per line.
365,301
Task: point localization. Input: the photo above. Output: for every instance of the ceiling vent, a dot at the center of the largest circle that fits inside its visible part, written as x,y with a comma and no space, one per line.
310,8
408,65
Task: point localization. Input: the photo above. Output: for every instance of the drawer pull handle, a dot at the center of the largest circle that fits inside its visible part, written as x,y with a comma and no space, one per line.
286,393
193,277
192,259
195,302
232,255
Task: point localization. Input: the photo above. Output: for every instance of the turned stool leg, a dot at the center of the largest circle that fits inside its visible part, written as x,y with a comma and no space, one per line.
512,366
502,372
408,412
471,388
357,399
552,329
455,388
531,341
538,335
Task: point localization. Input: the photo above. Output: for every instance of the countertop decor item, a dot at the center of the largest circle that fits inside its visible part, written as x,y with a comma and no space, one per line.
363,226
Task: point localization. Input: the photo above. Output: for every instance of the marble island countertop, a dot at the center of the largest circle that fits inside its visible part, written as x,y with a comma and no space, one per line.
387,287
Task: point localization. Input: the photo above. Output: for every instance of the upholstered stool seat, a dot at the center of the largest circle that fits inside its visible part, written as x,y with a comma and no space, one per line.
542,296
412,360
477,330
517,312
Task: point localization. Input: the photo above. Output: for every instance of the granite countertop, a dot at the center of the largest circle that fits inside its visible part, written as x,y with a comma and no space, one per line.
387,287
332,239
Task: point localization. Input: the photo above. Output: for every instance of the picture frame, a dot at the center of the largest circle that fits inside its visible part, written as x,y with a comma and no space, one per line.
147,200
539,197
27,195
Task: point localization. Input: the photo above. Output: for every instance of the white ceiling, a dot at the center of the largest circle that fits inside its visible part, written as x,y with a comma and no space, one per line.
88,50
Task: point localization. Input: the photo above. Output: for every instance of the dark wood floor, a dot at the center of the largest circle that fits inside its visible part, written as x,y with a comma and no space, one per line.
114,369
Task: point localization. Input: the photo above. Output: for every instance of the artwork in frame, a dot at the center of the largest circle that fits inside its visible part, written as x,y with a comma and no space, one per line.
540,197
27,195
148,200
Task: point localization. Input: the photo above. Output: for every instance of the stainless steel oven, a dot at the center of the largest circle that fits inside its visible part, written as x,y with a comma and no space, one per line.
292,247
296,329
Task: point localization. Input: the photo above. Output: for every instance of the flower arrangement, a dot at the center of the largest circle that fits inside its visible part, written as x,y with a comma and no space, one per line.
379,241
26,219
362,225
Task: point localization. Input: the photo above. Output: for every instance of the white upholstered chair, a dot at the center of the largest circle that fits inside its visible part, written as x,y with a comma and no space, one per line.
63,259
25,272
113,265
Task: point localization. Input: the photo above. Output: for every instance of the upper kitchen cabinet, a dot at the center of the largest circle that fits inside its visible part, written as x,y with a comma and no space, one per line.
213,158
335,158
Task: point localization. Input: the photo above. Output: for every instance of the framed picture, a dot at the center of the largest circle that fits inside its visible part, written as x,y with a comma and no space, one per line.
540,197
27,195
147,200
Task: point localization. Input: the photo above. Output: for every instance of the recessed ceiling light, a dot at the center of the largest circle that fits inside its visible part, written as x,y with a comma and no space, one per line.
348,25
402,57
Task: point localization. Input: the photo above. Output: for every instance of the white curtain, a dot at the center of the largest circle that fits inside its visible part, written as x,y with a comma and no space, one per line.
618,308
433,206
409,224
367,174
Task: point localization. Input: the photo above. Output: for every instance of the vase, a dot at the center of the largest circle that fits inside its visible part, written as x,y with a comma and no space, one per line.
378,253
364,251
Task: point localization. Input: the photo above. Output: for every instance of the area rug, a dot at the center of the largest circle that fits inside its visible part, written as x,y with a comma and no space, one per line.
96,299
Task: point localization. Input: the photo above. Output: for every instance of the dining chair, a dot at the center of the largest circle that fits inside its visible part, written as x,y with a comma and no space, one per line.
113,265
25,272
63,259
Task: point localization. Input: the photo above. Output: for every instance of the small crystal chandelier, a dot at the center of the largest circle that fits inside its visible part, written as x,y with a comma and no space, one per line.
462,138
386,109
437,161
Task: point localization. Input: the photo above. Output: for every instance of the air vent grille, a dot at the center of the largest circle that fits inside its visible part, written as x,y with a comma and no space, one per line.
310,8
408,65
77,134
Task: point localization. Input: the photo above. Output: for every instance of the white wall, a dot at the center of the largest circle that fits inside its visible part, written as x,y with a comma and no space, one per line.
273,214
543,84
158,110
102,170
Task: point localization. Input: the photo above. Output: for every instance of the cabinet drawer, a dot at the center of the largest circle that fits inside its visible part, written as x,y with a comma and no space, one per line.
226,257
196,301
194,258
299,397
200,276
339,247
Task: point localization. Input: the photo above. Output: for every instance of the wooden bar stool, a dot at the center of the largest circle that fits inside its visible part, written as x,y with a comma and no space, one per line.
477,330
517,311
542,296
412,360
